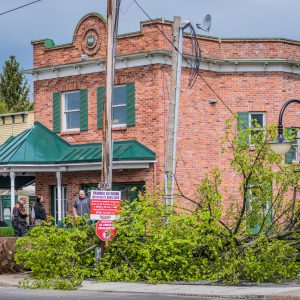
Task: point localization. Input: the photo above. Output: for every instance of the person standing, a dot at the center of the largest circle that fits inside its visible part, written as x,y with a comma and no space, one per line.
19,217
38,211
81,207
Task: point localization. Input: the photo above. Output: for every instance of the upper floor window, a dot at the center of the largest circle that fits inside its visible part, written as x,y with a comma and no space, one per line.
71,110
123,105
119,103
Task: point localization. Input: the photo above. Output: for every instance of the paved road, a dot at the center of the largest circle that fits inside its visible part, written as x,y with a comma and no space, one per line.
13,293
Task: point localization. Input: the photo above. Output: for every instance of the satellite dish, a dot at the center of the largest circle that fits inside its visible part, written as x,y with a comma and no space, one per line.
205,23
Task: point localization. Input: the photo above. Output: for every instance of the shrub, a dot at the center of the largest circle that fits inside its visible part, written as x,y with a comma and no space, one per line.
54,255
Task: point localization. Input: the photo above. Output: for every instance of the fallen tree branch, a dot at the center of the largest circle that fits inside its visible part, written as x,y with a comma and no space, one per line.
279,235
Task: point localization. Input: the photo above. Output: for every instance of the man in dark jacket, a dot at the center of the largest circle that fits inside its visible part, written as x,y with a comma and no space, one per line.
19,217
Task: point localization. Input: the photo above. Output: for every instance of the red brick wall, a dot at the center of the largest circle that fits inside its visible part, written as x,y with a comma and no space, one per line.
73,181
150,39
201,125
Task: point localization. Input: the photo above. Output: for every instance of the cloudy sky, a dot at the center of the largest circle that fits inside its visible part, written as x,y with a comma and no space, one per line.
57,19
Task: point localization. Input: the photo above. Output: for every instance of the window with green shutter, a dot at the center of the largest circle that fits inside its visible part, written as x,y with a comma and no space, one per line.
291,133
255,120
56,105
123,105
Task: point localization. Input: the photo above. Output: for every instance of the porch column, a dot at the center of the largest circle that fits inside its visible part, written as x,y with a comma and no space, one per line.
12,192
59,208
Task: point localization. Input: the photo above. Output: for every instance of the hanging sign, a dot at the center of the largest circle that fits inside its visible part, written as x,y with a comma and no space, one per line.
105,205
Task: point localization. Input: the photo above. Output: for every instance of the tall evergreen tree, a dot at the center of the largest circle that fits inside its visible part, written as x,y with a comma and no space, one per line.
14,89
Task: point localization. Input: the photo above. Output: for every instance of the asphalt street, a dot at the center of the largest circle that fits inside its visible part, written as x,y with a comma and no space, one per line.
13,293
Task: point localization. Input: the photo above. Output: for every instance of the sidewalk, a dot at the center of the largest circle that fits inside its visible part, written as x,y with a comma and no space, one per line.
266,291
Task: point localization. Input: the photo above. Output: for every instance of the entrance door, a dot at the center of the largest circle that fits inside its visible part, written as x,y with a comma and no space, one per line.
54,202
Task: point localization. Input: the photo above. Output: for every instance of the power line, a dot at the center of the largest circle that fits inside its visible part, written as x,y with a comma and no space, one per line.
167,38
8,11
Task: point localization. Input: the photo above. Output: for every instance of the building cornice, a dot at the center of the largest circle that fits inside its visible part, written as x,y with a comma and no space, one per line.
164,58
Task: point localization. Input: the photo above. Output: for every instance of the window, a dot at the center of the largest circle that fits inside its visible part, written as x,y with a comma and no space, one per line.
71,110
257,121
123,105
259,212
295,148
119,109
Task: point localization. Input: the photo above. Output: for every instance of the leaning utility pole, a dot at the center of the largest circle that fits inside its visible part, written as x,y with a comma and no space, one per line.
170,160
106,173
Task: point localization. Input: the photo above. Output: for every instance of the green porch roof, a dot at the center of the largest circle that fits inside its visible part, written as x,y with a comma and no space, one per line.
39,145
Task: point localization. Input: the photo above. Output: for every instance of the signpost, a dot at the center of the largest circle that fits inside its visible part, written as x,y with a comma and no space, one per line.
105,207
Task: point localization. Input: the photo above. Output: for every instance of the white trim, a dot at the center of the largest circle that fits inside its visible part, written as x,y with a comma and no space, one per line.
263,113
161,57
94,166
59,202
118,105
12,175
64,111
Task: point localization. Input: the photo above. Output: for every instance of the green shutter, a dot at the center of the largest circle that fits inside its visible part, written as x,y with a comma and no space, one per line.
243,120
288,158
243,123
83,109
130,97
56,112
100,103
290,134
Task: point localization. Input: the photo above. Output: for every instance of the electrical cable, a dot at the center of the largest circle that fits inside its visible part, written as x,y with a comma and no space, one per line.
198,74
8,11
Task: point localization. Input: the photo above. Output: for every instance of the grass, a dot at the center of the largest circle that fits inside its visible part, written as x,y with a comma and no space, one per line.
6,231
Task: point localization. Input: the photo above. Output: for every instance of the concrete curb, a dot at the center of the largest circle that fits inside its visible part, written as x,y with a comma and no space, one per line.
205,291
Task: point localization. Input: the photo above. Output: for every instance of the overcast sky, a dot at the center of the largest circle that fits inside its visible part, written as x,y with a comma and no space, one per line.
57,19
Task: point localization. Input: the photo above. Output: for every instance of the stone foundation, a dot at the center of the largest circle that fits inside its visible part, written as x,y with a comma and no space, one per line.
7,251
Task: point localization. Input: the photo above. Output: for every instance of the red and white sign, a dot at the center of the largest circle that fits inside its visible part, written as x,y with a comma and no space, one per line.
105,205
105,231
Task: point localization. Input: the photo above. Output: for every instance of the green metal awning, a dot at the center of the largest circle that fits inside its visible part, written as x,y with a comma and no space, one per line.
40,146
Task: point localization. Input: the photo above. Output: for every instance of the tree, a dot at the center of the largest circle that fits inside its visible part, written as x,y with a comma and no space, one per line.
255,236
14,89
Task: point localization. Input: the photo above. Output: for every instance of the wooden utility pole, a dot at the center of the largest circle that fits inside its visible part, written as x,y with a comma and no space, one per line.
170,160
106,173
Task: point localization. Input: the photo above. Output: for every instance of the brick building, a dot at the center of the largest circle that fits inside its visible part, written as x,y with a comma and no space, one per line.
254,77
